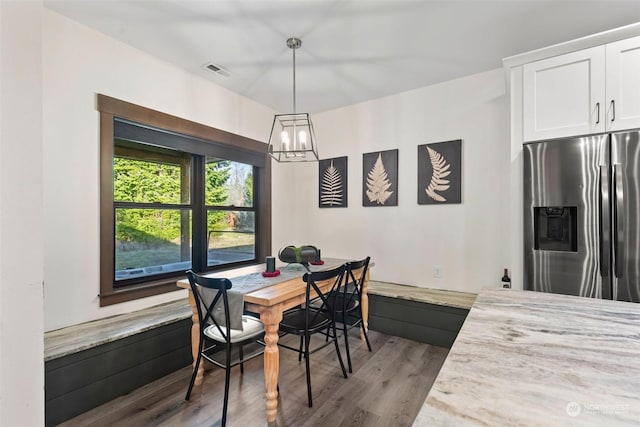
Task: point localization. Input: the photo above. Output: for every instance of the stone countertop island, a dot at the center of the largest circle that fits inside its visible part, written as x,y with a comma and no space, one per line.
536,359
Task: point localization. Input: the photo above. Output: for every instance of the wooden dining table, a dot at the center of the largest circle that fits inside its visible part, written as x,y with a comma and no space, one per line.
270,302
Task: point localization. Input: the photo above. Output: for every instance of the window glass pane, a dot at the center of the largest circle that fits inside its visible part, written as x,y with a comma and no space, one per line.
228,183
152,241
148,174
230,236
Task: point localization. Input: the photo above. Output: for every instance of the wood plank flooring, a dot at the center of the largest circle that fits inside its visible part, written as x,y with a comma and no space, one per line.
387,388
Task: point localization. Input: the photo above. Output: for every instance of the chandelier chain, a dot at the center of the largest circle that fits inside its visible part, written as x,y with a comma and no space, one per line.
294,81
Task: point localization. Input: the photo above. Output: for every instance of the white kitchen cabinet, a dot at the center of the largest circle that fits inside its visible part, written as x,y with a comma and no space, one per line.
589,91
564,95
623,84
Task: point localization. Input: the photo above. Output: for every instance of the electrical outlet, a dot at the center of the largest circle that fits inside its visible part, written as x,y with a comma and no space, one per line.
437,272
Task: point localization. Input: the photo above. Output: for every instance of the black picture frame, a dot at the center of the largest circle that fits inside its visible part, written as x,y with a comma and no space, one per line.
332,183
380,178
440,173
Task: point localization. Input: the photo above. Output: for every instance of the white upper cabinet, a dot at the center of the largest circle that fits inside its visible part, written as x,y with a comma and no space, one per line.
564,95
623,84
584,92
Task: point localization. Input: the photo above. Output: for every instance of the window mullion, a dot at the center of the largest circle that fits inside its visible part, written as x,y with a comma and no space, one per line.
141,205
258,231
199,253
185,215
230,208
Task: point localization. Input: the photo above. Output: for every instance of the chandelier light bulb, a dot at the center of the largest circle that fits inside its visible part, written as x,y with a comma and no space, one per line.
284,138
302,138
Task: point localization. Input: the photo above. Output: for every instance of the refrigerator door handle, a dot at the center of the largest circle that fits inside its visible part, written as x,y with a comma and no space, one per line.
619,220
613,110
605,220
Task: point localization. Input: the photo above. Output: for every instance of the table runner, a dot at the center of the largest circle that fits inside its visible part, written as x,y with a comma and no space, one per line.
252,282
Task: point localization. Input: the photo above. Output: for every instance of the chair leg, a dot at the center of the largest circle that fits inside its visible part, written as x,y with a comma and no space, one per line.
335,341
193,376
364,330
227,380
366,336
307,338
241,360
346,342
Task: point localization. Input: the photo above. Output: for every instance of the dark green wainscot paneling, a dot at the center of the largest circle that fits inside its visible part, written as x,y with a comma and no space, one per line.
423,322
82,381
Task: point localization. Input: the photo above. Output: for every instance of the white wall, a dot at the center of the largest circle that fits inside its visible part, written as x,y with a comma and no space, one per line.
81,62
21,215
469,241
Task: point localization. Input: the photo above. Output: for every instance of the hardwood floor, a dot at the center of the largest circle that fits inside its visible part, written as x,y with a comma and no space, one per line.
387,388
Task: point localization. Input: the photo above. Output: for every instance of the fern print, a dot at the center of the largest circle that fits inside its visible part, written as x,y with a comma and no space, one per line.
440,171
331,187
378,183
332,183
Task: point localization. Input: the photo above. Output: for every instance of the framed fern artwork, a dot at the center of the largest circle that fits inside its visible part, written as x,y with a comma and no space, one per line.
380,178
440,173
332,183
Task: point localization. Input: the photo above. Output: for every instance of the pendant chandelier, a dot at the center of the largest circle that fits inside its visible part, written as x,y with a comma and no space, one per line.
292,137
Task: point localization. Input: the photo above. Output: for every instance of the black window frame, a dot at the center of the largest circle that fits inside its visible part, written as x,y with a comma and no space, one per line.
140,124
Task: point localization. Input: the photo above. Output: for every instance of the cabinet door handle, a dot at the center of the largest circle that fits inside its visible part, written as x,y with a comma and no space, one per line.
613,110
597,113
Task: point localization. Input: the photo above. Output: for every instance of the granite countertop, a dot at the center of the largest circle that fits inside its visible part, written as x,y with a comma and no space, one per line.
444,297
530,359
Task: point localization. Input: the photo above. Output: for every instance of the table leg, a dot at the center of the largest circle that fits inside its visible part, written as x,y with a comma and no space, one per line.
195,337
271,317
364,301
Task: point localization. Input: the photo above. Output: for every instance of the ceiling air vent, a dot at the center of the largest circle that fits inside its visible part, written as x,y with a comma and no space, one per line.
218,70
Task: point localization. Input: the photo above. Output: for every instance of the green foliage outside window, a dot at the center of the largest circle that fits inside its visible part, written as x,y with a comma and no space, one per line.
146,182
151,182
216,193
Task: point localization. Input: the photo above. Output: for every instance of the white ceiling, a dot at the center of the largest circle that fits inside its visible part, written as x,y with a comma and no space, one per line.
352,50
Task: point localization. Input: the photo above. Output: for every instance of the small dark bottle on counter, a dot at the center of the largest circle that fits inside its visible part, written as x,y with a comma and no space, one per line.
506,281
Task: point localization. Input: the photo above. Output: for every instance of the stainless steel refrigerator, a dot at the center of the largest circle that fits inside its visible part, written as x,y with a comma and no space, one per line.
582,216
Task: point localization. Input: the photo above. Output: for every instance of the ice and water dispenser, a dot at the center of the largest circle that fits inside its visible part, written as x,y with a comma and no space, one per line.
555,228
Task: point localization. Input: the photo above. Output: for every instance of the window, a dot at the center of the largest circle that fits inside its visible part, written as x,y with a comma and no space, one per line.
153,213
175,195
231,216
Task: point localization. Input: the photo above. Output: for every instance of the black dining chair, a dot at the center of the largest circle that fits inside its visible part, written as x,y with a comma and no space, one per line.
349,302
217,339
308,319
